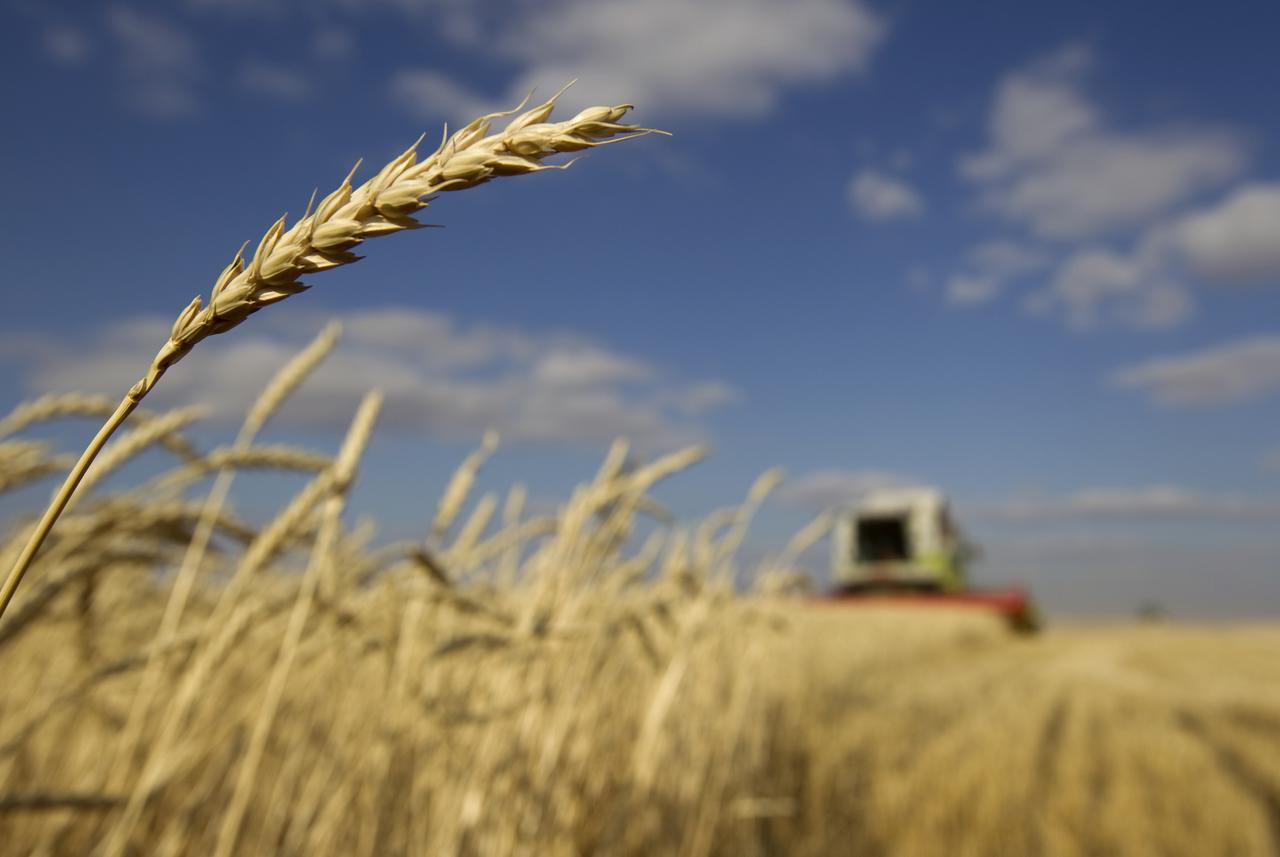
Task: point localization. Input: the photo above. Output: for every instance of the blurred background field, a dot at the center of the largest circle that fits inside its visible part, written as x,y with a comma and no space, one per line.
531,684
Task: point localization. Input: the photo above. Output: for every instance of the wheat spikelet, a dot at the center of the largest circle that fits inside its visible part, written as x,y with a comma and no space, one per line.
509,540
728,547
512,510
261,457
780,576
465,542
55,407
459,487
22,462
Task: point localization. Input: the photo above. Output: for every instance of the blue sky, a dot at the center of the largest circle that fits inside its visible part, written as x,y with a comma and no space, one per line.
1026,252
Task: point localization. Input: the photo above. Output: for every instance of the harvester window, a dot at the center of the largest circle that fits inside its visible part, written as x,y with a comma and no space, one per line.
882,539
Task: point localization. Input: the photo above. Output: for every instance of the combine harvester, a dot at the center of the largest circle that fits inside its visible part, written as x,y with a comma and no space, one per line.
902,547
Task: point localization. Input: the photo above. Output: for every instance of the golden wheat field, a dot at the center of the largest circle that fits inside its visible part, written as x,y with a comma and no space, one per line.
179,681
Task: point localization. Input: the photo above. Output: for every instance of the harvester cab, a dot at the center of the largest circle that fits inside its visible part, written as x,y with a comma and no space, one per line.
904,545
903,539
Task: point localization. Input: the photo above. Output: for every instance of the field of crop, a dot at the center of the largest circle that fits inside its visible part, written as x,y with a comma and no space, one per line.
176,680
556,686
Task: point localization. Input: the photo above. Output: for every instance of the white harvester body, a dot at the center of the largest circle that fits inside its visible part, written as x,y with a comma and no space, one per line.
899,538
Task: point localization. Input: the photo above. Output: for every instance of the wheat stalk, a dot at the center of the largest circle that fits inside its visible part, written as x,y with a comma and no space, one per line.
325,238
344,471
279,388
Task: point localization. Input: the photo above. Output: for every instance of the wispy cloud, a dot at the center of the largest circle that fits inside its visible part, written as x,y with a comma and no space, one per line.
990,266
332,43
826,489
428,94
159,62
275,81
1094,285
970,290
66,45
1128,503
878,197
1235,372
1056,165
441,378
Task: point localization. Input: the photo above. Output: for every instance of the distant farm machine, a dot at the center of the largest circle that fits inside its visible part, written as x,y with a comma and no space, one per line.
902,547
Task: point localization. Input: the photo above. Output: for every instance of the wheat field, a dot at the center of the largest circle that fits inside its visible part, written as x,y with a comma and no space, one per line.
557,685
178,680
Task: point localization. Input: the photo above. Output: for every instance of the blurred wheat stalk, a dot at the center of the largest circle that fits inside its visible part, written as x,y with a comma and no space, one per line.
325,238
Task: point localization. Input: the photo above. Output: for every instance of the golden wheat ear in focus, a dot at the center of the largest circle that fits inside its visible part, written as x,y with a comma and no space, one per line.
328,233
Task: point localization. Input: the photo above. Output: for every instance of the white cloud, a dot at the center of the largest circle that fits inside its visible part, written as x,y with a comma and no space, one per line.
276,81
440,378
332,44
700,398
426,94
1239,239
159,62
1109,205
878,197
1004,259
1127,503
825,489
688,57
1056,167
966,290
1239,371
989,266
1094,285
67,46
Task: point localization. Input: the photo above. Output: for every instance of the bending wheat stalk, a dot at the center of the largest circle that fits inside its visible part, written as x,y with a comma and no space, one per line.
325,238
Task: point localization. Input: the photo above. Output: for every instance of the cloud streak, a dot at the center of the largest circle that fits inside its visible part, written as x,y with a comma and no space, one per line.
878,197
441,378
159,63
1235,372
832,488
1128,503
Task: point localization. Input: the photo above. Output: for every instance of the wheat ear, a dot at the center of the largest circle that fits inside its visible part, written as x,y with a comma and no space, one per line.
325,238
